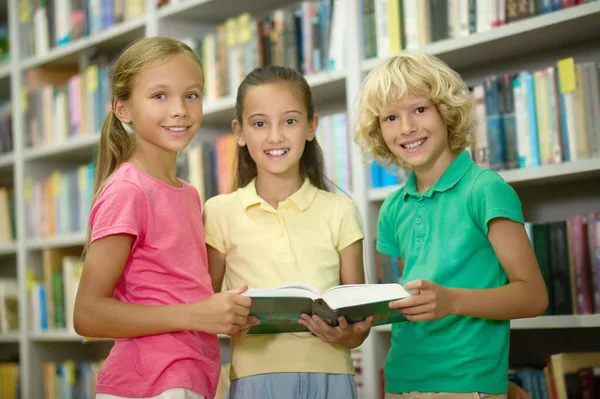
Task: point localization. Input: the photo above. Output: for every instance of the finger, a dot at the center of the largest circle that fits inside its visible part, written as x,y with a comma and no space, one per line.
240,321
365,325
254,320
415,310
343,323
241,300
311,328
409,302
241,311
420,317
239,290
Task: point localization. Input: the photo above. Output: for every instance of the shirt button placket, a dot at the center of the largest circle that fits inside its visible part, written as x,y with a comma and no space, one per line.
420,220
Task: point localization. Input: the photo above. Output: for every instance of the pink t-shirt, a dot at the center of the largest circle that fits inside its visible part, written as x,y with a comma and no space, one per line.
167,265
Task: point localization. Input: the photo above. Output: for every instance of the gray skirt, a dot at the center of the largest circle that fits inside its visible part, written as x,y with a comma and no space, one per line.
294,386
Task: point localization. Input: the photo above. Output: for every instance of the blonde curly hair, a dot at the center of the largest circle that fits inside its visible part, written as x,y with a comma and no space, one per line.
420,75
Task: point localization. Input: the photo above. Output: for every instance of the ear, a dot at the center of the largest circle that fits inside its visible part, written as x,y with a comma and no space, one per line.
314,125
121,111
238,132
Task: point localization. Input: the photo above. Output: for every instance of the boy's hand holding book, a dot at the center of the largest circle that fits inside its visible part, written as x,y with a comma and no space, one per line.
427,301
347,335
222,313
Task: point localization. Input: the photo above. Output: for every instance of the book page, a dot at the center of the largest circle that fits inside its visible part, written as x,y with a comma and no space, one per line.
359,294
287,290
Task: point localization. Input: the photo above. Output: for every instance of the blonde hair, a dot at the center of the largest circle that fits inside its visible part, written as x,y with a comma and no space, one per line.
116,144
419,75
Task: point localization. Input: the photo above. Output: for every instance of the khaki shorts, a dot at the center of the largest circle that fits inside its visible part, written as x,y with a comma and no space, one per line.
442,395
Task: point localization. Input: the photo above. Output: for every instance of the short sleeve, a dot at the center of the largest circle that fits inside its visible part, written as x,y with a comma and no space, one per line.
386,228
120,209
350,229
492,197
214,228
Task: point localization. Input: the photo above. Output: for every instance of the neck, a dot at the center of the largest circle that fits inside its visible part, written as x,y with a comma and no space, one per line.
157,162
277,188
427,175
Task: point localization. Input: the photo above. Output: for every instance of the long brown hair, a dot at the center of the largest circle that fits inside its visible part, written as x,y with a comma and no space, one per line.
116,144
312,164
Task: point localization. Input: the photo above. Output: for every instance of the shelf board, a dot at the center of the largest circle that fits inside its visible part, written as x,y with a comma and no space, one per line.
561,172
78,148
7,160
9,338
326,87
68,240
8,248
540,323
210,11
115,37
553,30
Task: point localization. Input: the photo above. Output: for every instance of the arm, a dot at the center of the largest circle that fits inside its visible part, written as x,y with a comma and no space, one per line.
524,296
216,267
347,335
98,314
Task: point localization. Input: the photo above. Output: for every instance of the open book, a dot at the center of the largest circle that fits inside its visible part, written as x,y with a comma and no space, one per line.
279,308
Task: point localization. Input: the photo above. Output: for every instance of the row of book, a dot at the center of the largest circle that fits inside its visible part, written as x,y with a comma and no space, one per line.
568,253
71,379
572,375
7,215
9,380
62,104
60,203
307,37
9,305
44,25
394,25
537,118
6,140
52,289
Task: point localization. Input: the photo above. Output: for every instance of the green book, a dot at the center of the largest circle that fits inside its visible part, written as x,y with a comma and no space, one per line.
279,308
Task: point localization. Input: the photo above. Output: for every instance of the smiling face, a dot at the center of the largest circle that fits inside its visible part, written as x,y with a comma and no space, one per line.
275,128
165,106
414,131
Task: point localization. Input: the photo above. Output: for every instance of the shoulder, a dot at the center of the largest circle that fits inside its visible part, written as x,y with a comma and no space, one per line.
486,181
393,202
341,204
123,186
222,202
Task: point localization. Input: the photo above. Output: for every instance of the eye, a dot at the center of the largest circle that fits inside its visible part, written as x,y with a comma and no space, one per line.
420,110
259,124
192,96
290,121
390,118
159,96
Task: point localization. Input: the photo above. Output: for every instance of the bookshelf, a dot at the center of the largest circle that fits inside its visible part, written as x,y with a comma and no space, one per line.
529,43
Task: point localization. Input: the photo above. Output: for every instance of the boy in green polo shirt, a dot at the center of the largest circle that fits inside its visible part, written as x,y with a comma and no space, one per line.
456,227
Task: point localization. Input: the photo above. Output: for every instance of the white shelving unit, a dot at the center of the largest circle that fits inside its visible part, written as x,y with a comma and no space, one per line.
523,44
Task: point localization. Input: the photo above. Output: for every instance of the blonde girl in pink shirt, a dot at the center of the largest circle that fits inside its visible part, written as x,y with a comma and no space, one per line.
145,281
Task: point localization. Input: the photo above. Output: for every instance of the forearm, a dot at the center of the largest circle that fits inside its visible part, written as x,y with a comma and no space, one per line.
513,301
110,318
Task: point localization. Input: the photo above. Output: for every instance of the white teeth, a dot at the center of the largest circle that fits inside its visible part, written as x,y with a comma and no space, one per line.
414,145
176,129
276,153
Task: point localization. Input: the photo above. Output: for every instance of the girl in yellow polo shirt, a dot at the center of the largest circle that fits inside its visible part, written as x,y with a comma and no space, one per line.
283,225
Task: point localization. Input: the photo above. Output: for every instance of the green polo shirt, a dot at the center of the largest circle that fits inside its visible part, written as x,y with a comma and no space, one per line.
442,236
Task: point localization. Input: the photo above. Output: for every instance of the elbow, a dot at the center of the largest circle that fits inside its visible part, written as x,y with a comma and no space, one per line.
80,320
539,304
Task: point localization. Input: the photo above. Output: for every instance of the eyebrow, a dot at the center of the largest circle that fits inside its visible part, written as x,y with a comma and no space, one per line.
293,111
164,87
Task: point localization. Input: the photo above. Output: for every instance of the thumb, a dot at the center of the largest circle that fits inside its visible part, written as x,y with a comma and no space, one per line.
239,290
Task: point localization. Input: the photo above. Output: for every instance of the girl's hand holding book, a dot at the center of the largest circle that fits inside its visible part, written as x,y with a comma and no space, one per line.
428,301
347,335
222,313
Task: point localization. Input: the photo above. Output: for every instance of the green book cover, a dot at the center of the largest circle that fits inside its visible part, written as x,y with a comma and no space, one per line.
280,308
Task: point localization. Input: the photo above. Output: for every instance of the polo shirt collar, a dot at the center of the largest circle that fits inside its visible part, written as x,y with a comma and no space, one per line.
301,198
449,178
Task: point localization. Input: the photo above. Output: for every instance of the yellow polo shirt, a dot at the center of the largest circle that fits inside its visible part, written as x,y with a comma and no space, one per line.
299,242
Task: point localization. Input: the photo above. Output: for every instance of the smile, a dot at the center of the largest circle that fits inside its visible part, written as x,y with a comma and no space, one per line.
177,130
277,153
414,145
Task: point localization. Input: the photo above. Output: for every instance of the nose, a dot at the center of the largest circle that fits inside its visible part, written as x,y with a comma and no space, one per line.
178,109
407,126
275,135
